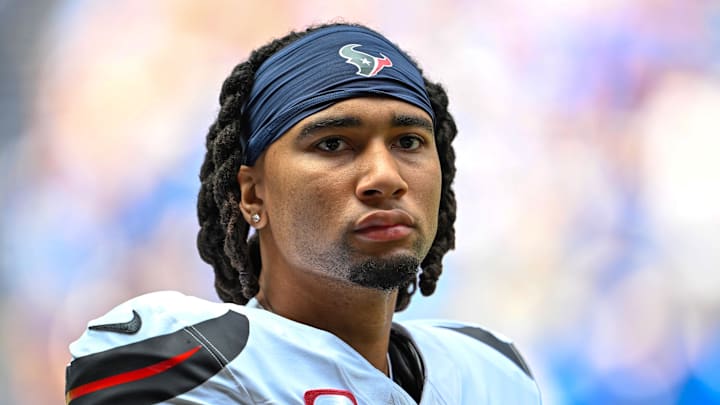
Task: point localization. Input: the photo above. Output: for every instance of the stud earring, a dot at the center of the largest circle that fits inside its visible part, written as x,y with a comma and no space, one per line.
255,218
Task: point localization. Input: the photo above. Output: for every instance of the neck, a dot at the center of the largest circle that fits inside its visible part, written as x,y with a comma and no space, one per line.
361,317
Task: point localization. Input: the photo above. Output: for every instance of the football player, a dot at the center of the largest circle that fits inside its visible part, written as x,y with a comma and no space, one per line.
326,201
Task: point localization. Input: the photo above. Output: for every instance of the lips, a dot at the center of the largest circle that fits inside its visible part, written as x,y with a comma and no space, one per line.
383,226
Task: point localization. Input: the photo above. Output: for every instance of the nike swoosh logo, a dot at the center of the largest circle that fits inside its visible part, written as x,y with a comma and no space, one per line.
130,327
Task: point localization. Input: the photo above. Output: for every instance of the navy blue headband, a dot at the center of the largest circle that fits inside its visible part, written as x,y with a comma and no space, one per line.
320,69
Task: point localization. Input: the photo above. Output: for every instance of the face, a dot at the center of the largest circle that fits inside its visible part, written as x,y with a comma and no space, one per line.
352,193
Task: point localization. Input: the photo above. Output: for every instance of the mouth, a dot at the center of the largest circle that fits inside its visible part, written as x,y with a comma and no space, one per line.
385,226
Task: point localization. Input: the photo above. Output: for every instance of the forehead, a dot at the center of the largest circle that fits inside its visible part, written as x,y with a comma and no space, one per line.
365,112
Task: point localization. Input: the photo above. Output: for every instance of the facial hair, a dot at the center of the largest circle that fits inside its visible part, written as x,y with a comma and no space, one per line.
381,273
384,274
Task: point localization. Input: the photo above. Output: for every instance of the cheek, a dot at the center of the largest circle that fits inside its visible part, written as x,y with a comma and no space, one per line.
437,180
300,196
431,186
431,190
324,195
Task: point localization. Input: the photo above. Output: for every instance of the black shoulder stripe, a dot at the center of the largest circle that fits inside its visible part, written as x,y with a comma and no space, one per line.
506,349
159,368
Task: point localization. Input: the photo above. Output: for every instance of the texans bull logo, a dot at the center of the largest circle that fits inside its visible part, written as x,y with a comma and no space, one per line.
368,65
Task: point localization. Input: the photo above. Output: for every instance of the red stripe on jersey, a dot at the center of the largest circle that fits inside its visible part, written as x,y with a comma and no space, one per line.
129,376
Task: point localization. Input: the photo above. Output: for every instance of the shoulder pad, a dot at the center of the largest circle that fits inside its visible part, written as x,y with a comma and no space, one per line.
155,368
505,348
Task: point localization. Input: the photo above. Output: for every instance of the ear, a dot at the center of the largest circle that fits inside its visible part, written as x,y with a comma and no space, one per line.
251,195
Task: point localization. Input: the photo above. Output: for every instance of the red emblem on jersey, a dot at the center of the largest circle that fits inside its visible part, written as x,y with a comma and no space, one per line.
329,396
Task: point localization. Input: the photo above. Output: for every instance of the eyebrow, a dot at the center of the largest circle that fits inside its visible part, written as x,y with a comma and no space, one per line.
398,121
404,120
332,122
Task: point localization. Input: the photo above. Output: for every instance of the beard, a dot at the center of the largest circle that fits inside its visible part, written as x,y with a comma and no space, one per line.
345,263
384,273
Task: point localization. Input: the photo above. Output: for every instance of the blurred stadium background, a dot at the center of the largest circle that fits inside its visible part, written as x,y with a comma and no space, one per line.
588,182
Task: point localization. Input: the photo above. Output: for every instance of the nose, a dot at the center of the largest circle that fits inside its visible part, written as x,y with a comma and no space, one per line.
380,175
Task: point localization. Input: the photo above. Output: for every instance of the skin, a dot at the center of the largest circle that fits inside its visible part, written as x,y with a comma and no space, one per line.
355,182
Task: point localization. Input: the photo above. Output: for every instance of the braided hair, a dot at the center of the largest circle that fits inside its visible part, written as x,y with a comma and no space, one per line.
223,236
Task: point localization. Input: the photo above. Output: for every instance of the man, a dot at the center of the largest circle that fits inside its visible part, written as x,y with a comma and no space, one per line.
336,150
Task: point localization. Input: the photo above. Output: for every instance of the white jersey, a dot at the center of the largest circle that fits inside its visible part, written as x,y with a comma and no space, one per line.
169,348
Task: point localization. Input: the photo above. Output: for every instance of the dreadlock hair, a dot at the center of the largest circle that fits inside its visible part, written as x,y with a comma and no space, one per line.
223,236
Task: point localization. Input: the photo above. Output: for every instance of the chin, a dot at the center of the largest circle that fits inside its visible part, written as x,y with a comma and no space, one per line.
384,273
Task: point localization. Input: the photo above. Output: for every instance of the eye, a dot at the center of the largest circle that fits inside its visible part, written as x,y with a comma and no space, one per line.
332,145
409,142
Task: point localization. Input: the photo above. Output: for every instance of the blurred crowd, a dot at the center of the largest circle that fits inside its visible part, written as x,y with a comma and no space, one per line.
588,175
